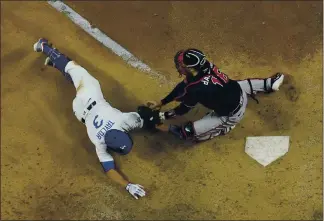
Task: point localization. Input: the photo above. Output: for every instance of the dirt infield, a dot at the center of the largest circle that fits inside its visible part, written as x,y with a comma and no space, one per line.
49,169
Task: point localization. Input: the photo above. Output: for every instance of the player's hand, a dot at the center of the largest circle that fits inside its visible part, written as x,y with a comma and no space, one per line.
135,190
154,104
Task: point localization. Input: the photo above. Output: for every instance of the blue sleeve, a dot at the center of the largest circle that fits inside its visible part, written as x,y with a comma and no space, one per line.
106,160
108,165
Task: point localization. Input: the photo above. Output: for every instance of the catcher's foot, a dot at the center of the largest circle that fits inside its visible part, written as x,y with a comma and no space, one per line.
276,81
226,130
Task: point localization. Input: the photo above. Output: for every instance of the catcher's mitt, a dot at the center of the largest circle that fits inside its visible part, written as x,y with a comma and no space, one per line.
150,117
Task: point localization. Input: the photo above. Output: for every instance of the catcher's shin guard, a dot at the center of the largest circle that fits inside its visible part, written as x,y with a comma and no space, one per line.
175,130
185,132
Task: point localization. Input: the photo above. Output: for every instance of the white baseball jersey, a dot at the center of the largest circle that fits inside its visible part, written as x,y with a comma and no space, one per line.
102,116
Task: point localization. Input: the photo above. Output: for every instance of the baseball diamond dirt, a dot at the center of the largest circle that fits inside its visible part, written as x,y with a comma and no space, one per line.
49,168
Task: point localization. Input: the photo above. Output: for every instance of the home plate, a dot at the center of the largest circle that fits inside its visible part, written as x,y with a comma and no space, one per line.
266,149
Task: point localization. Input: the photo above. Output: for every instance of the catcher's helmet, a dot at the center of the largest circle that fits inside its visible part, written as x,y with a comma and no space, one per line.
190,58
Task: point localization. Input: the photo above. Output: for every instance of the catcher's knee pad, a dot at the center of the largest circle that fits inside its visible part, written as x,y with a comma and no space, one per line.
266,85
184,132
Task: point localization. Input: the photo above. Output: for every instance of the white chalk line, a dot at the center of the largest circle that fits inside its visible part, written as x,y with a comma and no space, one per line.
116,48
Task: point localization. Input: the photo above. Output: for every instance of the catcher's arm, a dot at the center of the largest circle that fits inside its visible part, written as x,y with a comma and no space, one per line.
188,102
151,118
178,111
176,92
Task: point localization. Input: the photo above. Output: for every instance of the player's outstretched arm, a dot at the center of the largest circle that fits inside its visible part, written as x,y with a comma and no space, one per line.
117,177
135,190
108,165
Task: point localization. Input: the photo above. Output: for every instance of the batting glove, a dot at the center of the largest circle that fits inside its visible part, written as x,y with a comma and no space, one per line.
135,190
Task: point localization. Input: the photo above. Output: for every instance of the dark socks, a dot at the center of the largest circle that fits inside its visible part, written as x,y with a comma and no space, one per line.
58,60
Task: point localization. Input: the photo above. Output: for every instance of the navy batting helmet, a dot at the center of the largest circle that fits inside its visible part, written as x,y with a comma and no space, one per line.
118,141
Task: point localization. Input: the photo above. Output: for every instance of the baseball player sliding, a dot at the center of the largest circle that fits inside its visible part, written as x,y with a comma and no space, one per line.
106,126
206,84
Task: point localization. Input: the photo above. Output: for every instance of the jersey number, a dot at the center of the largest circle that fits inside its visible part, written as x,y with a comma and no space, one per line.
215,80
96,122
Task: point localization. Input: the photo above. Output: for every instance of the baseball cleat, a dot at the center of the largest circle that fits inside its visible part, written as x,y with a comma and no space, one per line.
226,130
48,62
276,81
38,46
175,130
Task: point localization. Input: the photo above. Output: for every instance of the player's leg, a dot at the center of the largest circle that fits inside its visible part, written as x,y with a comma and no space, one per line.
254,85
211,125
71,71
88,90
204,129
83,81
57,59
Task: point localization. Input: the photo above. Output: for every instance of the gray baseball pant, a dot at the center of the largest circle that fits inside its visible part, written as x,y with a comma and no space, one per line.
212,125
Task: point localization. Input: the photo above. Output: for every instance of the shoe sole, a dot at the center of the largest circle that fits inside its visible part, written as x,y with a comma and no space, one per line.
47,60
35,45
278,83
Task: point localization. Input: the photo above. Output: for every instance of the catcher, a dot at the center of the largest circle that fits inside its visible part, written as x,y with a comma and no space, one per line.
206,84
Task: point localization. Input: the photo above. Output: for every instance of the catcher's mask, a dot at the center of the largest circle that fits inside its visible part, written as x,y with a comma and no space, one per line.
191,61
118,141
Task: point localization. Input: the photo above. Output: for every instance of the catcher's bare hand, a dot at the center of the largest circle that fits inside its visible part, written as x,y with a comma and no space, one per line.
154,105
